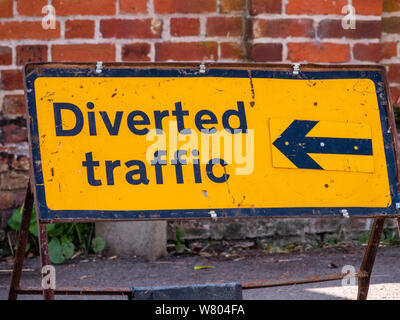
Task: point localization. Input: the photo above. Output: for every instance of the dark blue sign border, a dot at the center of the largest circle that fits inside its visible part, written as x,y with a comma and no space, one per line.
46,214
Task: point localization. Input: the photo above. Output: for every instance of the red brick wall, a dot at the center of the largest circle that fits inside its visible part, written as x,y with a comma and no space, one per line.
179,30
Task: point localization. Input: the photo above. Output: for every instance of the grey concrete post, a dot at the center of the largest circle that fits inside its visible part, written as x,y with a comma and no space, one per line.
146,239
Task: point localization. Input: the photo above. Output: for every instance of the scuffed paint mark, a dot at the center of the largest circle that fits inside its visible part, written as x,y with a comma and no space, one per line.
253,94
227,184
205,193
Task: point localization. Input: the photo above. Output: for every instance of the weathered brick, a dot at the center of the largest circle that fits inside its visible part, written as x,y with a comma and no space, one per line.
13,132
87,7
6,8
136,52
265,6
133,6
180,27
391,25
318,52
395,93
79,29
27,30
391,5
364,29
5,55
388,50
31,53
84,52
282,28
224,26
368,7
6,200
186,51
14,104
20,163
394,72
185,6
13,180
30,7
265,52
132,28
315,7
231,50
374,51
11,79
229,6
5,161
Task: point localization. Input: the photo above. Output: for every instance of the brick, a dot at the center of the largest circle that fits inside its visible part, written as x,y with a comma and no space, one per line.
136,52
394,72
395,94
84,52
31,53
14,104
186,51
133,28
6,200
229,6
133,6
231,50
5,161
87,7
318,52
388,50
180,27
6,8
265,6
391,25
20,163
5,55
374,51
265,52
224,26
31,7
364,29
13,180
315,7
27,30
79,29
282,28
368,7
11,79
391,5
185,6
14,132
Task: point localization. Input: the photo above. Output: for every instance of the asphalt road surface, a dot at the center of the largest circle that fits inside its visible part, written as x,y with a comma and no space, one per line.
248,265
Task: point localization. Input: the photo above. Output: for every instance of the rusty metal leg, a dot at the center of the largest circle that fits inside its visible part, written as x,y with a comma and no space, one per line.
369,257
21,246
48,294
398,225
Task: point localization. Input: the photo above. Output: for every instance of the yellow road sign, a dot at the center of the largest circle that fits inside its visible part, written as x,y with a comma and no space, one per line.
175,142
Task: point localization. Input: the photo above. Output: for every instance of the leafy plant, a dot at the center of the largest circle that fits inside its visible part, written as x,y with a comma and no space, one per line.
64,239
179,246
390,236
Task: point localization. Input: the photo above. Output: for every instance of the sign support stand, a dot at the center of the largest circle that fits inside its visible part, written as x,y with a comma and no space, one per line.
363,275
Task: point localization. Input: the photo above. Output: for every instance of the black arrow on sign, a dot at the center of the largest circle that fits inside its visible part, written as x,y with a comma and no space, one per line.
294,144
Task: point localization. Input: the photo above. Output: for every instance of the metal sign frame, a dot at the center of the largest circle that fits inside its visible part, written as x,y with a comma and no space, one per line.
375,73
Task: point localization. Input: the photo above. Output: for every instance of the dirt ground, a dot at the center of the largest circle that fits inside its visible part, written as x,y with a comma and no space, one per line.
247,265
